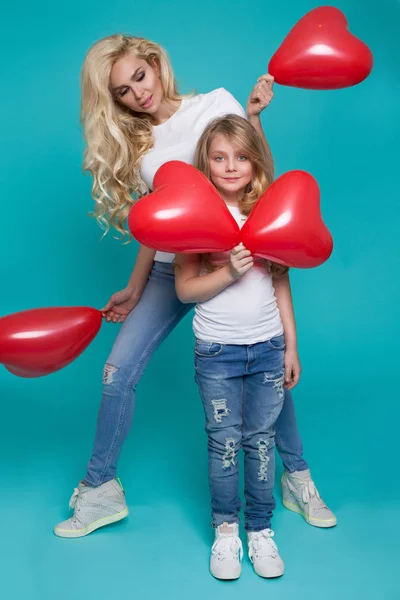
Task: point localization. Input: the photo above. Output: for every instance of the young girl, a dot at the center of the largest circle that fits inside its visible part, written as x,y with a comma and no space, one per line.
243,308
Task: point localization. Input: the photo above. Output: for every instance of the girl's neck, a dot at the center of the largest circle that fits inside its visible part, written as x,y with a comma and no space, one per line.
231,199
166,110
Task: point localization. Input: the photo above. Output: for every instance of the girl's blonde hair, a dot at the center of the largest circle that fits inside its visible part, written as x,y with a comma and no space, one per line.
117,138
240,132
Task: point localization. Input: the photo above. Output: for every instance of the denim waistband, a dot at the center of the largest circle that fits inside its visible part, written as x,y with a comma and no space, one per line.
163,267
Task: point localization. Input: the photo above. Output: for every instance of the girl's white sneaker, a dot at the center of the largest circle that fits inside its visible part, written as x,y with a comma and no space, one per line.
264,554
227,552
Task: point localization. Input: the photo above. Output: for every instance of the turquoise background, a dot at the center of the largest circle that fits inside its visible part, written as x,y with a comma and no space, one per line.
347,314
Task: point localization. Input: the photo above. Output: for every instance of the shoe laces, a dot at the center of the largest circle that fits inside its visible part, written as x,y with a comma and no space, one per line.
309,491
227,546
75,503
309,495
262,544
74,498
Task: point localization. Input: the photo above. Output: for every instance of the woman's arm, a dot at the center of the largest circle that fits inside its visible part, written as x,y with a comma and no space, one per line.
121,303
285,304
260,97
192,287
141,270
256,122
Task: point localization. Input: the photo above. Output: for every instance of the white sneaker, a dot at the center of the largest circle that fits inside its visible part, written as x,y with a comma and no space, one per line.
227,552
300,495
264,554
93,507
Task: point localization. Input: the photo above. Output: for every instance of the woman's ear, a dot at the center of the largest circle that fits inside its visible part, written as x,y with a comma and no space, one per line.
156,66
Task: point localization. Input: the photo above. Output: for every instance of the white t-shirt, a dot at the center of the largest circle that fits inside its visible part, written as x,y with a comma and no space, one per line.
246,312
176,138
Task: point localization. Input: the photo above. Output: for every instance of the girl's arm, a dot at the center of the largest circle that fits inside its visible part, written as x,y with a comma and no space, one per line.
285,304
192,287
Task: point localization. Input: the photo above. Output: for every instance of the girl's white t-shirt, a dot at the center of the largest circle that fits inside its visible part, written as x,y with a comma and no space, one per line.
246,312
176,138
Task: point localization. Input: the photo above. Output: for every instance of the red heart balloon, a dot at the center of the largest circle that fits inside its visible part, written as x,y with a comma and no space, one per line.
320,53
184,213
286,226
43,340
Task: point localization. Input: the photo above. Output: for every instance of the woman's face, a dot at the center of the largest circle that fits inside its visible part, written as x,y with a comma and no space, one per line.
230,169
136,84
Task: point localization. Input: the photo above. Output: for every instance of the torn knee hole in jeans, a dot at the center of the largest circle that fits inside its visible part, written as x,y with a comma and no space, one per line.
278,382
264,459
229,457
108,374
220,409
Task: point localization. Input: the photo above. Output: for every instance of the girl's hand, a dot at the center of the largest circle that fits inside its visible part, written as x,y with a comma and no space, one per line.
292,369
240,261
120,305
261,95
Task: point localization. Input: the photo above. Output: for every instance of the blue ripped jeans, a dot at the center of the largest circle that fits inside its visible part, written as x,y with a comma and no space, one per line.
242,392
146,327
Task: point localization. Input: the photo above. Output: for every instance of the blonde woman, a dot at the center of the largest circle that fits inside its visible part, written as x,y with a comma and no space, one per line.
134,120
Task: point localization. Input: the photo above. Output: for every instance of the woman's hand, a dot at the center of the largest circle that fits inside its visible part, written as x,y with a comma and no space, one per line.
261,95
292,369
120,305
240,261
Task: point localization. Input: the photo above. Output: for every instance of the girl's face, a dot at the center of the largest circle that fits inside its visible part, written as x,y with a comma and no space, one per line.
230,169
136,84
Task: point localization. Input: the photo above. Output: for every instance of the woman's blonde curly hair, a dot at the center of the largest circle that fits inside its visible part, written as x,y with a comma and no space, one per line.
116,137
